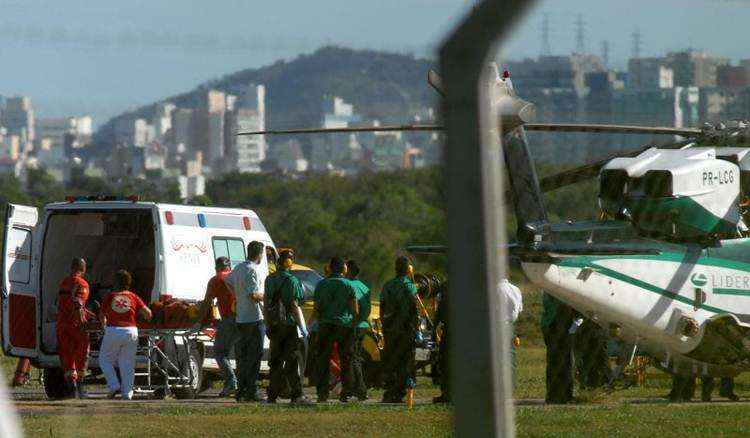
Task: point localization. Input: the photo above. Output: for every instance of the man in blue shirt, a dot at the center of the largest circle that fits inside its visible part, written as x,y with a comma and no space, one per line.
249,348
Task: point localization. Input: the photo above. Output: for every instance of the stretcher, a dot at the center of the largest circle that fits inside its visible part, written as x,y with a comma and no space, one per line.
168,361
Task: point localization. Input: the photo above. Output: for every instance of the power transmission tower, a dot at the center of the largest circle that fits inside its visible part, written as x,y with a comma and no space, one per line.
546,47
580,34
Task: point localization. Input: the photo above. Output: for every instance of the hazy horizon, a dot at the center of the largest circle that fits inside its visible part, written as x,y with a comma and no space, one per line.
76,57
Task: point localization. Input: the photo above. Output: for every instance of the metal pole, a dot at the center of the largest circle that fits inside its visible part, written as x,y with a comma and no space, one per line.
479,343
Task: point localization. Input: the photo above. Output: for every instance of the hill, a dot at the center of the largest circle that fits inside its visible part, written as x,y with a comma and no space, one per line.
386,86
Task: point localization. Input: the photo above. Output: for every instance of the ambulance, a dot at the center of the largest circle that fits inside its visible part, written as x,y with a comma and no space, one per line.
169,250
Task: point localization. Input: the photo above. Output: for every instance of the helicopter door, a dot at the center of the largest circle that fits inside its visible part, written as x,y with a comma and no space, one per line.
20,293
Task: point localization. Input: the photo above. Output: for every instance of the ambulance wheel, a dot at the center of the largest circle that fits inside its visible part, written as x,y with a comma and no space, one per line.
195,363
55,385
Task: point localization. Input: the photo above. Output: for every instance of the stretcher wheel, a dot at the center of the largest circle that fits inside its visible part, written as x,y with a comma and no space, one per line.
195,363
55,385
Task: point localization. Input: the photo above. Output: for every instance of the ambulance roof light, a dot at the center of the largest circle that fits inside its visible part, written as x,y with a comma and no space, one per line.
102,198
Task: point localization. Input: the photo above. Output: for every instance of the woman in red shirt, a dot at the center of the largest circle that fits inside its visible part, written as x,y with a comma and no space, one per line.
118,314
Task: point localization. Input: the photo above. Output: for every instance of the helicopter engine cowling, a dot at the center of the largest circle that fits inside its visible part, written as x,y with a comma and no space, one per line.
677,194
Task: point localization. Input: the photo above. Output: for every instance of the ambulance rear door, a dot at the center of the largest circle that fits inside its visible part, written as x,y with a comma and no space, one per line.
20,292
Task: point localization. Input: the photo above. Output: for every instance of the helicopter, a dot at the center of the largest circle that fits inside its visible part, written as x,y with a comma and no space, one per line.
666,266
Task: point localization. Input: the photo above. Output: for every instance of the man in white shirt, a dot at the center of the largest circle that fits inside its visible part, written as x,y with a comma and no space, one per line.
249,348
513,300
511,296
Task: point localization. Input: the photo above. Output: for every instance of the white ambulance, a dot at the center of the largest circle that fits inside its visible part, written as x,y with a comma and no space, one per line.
169,250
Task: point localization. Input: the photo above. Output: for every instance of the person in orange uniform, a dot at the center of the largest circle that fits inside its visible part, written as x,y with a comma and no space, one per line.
72,340
226,330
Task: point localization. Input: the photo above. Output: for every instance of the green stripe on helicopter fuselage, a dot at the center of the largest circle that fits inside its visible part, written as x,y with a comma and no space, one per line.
590,262
726,291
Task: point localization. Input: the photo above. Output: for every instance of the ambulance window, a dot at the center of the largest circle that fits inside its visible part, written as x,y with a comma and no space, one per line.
19,246
220,248
234,249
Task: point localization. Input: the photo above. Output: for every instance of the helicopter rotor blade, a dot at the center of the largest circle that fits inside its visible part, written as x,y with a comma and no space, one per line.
527,113
436,82
622,129
386,128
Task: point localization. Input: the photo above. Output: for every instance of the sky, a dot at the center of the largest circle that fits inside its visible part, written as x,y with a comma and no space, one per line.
103,57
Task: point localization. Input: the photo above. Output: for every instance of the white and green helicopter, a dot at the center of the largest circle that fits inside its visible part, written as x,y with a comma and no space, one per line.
667,267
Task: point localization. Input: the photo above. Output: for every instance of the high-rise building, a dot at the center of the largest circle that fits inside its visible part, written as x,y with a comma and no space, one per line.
132,132
555,72
677,106
162,120
729,76
182,119
694,68
18,118
216,102
247,152
191,186
50,144
208,128
649,74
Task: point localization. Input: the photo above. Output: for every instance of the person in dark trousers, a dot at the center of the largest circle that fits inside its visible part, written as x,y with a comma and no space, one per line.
359,383
398,314
286,330
441,320
249,347
726,388
592,361
683,388
226,329
557,318
337,312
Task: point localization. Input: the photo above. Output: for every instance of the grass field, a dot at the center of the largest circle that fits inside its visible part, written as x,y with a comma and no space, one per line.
628,412
635,411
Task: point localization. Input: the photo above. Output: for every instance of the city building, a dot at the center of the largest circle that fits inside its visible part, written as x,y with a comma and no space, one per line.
694,68
191,186
335,152
135,132
288,157
58,137
182,119
555,72
162,120
248,113
649,74
728,76
18,118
